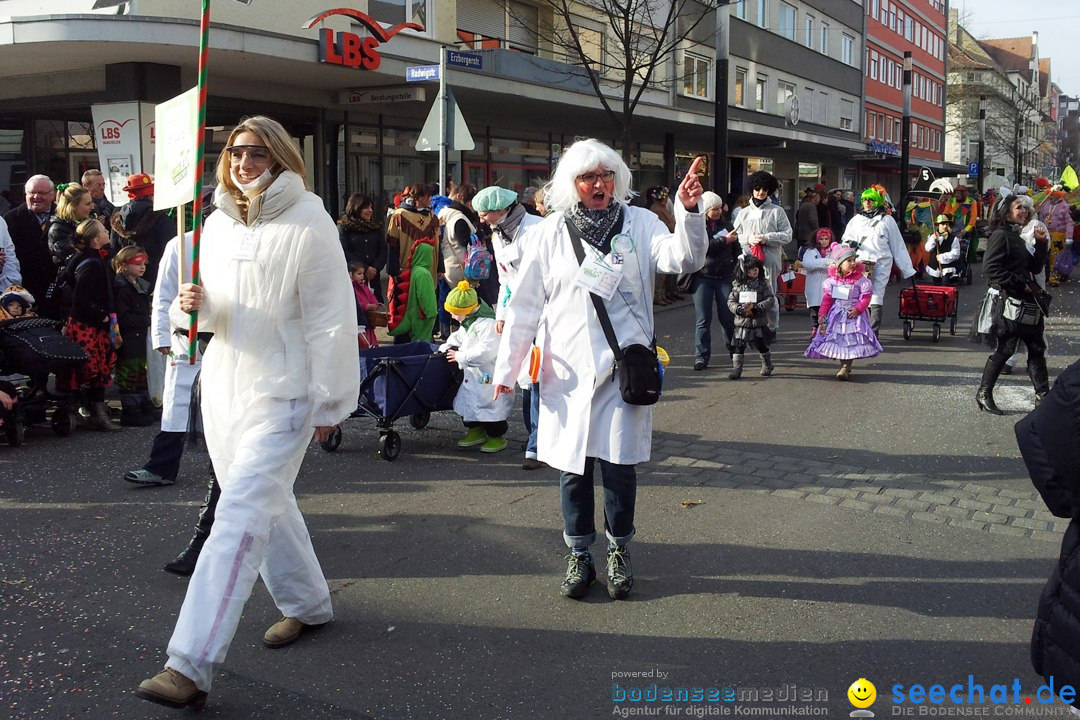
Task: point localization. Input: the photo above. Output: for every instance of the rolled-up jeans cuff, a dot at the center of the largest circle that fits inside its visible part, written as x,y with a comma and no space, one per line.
620,541
579,541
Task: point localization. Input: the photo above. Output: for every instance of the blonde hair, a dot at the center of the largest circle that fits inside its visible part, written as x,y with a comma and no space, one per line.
86,231
126,253
283,151
68,200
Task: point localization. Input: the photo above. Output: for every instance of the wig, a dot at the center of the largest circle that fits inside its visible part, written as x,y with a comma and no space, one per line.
582,157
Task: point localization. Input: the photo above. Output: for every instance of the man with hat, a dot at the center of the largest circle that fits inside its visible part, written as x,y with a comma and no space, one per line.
964,212
137,223
762,228
944,248
499,209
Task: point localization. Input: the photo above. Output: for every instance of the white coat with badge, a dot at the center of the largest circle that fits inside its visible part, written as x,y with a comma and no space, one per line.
771,221
477,346
508,257
877,239
179,373
582,413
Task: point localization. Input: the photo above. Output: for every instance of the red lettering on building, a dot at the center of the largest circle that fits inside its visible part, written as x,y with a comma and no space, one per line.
349,49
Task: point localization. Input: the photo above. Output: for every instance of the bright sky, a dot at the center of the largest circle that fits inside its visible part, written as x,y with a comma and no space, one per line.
1056,21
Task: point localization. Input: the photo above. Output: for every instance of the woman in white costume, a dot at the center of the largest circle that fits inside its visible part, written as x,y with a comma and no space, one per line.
583,418
764,224
275,292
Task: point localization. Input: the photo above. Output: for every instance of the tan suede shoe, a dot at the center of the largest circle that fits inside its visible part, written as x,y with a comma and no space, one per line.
285,632
173,689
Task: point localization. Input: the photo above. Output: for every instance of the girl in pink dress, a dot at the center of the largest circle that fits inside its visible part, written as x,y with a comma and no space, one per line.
844,331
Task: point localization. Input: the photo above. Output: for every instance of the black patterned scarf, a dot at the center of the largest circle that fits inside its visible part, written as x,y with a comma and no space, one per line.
597,227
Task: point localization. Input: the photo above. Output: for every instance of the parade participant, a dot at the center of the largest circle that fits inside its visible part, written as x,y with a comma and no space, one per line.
283,361
584,419
410,225
1054,213
764,225
89,321
878,244
131,294
473,347
815,263
844,331
365,301
417,319
509,220
711,285
944,247
750,301
1010,311
964,212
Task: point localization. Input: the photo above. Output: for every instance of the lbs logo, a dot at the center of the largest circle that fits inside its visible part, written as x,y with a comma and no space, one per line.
349,49
110,131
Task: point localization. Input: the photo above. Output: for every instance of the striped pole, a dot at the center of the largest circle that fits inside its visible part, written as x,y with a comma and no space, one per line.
200,156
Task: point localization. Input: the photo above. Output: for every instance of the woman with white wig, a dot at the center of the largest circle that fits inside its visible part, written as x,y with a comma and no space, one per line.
593,243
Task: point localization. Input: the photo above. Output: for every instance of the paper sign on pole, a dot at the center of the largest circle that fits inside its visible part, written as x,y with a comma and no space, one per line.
176,131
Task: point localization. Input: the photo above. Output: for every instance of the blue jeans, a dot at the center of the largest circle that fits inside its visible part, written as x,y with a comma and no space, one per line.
708,291
579,505
530,413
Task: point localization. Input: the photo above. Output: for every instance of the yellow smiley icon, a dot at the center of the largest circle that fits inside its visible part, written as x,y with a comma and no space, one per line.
862,693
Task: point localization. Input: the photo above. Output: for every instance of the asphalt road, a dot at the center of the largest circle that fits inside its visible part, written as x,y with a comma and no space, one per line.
758,568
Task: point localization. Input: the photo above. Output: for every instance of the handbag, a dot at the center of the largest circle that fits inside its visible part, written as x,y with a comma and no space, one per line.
1065,262
1020,311
637,365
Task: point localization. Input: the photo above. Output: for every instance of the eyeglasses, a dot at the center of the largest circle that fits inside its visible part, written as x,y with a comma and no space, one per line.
590,178
255,153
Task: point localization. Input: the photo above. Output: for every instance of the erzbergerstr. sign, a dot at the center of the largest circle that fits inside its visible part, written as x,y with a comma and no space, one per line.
348,48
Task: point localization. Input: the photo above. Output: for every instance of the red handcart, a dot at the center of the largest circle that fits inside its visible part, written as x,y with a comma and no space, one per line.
928,303
791,294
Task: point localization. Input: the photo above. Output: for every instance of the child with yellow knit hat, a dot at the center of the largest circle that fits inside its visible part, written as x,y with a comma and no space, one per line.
473,346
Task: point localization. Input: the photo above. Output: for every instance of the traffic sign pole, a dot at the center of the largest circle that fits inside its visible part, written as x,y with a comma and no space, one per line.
442,120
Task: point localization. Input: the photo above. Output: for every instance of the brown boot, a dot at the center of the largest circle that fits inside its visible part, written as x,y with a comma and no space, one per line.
845,370
285,632
99,418
172,689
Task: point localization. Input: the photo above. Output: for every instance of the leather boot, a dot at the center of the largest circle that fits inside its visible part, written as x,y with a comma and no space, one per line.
1040,377
736,366
766,364
845,370
184,563
99,418
984,396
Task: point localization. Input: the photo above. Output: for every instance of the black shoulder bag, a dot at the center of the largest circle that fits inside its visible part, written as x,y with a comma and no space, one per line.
637,365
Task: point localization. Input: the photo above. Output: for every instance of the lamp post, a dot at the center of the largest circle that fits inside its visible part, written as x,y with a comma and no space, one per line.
982,145
905,138
720,109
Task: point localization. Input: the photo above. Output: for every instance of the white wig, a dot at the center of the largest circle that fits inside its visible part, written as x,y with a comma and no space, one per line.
582,157
34,178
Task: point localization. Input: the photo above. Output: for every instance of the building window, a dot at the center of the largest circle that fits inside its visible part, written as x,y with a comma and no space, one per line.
897,130
695,75
740,87
759,92
810,31
592,44
784,90
823,44
871,128
888,131
740,9
881,125
909,29
763,13
389,11
847,114
847,48
787,21
873,64
821,109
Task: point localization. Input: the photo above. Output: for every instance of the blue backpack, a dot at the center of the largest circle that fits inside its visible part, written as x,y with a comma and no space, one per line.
478,260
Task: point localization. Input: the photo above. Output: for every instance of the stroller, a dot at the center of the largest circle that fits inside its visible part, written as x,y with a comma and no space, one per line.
397,380
35,347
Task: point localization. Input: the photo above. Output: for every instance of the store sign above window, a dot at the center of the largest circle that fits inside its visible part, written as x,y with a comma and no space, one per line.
349,49
883,148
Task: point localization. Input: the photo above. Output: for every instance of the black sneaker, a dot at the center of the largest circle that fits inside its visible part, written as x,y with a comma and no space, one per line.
700,364
620,576
580,574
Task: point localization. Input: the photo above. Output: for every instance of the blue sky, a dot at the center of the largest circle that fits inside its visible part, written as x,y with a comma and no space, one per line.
1057,22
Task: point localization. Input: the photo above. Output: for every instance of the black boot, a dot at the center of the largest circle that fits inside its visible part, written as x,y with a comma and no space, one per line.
1040,377
131,413
184,564
984,396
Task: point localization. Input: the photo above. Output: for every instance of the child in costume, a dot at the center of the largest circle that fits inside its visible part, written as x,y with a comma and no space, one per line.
473,346
15,302
132,296
815,265
365,300
944,247
751,301
844,331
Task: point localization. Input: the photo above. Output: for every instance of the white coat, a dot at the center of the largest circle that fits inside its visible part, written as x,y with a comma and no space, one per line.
878,240
771,221
179,373
477,346
508,258
816,267
10,272
582,413
277,296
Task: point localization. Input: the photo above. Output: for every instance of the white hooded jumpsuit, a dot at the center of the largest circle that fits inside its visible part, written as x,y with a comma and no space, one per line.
278,299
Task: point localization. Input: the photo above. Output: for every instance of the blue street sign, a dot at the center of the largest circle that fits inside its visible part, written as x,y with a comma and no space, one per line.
472,61
973,169
422,73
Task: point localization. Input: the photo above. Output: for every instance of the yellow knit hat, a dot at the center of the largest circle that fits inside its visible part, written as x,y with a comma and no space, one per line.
462,300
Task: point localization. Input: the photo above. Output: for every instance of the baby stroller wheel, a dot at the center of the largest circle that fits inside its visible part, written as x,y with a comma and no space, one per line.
420,420
63,421
391,445
16,432
937,332
333,442
907,329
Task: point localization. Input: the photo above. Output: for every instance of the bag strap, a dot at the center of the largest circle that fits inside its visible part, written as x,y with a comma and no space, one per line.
601,311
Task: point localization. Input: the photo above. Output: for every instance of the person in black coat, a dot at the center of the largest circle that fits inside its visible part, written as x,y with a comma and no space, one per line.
1049,441
131,297
29,224
1010,272
364,240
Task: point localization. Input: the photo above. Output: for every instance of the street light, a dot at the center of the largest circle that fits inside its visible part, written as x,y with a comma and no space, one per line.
720,109
905,142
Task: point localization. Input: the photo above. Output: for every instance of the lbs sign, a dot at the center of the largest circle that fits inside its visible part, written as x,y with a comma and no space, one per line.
349,49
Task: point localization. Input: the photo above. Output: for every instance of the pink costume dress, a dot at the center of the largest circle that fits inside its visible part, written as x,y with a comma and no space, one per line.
840,337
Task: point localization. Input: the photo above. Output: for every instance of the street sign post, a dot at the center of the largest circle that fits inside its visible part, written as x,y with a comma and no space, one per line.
973,169
422,73
467,60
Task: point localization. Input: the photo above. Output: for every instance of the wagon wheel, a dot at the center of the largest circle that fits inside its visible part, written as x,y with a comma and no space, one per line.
907,329
63,421
937,332
333,442
420,420
391,445
16,433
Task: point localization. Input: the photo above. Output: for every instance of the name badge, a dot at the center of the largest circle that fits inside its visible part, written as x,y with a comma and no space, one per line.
245,249
747,296
599,276
841,292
